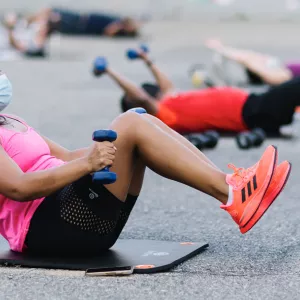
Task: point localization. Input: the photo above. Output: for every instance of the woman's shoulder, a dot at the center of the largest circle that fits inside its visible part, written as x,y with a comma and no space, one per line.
15,117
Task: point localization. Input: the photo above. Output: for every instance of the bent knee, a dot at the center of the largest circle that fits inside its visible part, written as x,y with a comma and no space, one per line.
127,121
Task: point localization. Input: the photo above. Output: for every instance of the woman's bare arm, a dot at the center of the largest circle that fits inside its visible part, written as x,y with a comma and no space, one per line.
165,84
64,154
272,76
137,95
20,186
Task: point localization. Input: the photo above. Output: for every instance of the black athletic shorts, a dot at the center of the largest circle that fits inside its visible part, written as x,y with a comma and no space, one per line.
83,218
274,108
72,22
254,78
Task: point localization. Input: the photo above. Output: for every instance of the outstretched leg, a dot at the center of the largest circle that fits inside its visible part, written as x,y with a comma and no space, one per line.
140,139
138,174
179,138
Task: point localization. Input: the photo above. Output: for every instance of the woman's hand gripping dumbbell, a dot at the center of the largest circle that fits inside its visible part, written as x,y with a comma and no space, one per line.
102,155
140,53
100,64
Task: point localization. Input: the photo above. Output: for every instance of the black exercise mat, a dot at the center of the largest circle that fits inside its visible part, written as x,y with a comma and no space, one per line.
147,256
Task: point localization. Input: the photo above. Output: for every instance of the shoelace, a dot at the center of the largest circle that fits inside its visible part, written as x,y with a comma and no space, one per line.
243,174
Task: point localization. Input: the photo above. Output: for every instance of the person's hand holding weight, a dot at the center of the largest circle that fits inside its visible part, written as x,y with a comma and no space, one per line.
101,155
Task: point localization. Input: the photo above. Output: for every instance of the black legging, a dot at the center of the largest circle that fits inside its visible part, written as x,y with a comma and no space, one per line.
273,108
73,221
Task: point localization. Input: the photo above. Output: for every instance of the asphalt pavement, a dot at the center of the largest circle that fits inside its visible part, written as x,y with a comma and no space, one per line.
61,99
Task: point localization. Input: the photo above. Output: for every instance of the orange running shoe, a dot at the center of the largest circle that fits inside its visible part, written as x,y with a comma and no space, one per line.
249,187
278,182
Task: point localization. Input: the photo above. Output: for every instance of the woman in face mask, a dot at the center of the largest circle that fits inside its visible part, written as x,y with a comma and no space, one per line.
5,91
49,202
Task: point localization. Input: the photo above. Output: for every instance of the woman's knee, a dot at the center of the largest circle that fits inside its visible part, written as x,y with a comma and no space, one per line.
127,122
151,118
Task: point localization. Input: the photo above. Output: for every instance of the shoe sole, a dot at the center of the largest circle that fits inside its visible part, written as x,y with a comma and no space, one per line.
265,204
249,208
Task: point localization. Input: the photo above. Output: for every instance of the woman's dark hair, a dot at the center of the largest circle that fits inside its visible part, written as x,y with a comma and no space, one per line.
130,29
122,33
152,89
3,120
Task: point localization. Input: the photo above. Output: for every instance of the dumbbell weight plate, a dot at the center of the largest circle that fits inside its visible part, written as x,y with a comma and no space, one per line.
100,66
243,141
199,140
192,140
260,136
213,138
105,177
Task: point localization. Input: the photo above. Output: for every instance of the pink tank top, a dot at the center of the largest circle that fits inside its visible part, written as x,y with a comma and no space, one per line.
31,153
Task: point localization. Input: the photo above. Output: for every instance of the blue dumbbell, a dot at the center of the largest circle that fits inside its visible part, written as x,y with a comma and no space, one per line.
105,176
100,65
138,110
134,54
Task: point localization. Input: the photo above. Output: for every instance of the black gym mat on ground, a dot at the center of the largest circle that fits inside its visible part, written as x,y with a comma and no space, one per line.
147,256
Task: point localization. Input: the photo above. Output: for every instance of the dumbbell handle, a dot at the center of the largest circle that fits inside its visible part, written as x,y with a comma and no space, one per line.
104,176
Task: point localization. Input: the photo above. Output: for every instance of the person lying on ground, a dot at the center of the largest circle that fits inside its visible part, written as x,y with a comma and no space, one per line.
71,22
220,108
260,68
33,38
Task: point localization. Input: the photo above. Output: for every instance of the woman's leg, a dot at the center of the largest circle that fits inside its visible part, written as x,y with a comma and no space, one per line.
138,174
180,139
140,138
137,180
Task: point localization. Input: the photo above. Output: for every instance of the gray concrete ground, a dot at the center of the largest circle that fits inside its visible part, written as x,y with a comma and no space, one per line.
63,101
174,9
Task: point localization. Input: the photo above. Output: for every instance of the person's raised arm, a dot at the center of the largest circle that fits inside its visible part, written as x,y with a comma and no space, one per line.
165,84
135,94
241,56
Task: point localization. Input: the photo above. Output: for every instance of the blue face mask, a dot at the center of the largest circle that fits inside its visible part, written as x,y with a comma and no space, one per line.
5,91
